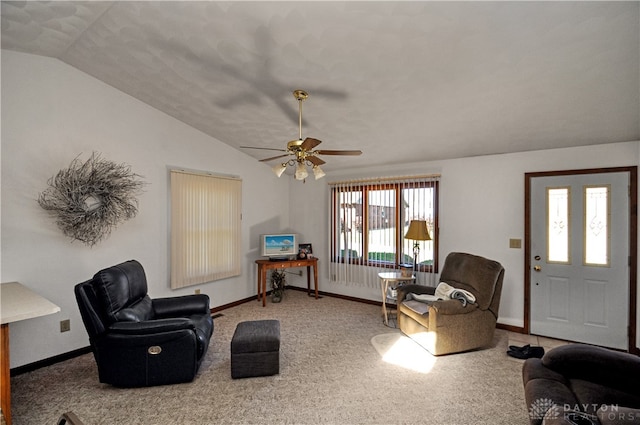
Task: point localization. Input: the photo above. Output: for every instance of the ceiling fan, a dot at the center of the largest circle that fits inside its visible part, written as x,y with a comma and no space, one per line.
302,150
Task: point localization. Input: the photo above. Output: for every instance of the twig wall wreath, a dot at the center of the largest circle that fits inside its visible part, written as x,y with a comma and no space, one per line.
91,198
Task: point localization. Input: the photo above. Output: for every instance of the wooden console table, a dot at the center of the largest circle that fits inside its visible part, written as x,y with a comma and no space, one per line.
264,265
17,302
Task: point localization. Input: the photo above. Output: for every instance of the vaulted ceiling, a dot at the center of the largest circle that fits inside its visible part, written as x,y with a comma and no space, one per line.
402,81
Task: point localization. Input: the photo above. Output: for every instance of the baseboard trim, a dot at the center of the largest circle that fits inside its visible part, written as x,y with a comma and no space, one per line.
49,361
331,294
511,328
233,304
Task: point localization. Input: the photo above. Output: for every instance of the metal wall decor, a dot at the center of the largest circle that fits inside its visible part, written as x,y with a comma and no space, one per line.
90,198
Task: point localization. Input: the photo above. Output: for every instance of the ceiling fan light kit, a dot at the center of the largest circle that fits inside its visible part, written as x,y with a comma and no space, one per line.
301,171
302,150
279,169
317,172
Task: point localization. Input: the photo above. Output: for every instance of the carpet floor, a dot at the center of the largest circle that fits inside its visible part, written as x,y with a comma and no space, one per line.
339,364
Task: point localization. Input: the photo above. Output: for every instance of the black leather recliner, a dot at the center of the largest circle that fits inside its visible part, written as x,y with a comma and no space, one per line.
137,341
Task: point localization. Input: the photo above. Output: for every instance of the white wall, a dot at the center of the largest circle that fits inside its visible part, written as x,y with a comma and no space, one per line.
481,208
52,113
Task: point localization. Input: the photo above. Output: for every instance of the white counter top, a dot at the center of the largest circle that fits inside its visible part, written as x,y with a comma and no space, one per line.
17,302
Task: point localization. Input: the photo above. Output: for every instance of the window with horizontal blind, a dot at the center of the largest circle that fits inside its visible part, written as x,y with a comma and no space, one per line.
205,227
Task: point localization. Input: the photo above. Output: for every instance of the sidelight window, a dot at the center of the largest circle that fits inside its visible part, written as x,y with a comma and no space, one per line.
558,225
597,213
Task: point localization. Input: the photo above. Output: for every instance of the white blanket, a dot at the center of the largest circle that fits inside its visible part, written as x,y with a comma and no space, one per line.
423,298
445,291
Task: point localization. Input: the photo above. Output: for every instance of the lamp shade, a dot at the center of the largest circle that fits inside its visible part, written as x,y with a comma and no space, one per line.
279,169
301,171
318,172
418,231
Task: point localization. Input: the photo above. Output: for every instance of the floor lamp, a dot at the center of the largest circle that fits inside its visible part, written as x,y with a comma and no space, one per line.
418,232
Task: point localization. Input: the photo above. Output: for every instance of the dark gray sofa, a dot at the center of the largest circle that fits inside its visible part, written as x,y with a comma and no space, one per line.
582,384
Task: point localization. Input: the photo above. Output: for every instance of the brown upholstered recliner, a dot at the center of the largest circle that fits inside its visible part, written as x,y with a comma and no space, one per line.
447,326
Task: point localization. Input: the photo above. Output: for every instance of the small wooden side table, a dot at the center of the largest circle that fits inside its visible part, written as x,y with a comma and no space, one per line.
385,278
264,265
17,302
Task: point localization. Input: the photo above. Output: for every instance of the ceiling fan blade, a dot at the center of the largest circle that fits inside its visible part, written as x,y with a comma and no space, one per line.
274,157
338,152
315,160
309,143
302,150
266,149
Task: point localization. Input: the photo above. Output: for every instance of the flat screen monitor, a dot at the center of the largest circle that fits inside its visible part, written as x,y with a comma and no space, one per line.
279,246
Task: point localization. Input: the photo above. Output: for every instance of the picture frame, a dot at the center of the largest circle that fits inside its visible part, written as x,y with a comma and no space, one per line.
305,251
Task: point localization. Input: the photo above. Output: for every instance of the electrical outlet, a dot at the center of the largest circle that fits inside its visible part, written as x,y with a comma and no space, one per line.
65,325
197,291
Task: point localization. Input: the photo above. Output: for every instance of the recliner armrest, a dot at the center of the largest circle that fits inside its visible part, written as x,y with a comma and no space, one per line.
452,307
403,290
183,306
151,326
596,364
135,354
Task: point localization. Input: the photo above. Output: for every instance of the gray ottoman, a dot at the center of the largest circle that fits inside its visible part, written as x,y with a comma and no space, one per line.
255,349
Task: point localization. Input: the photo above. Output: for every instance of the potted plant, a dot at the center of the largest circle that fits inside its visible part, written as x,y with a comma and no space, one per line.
277,285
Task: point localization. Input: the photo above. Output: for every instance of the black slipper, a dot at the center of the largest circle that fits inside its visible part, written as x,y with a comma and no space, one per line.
516,348
527,353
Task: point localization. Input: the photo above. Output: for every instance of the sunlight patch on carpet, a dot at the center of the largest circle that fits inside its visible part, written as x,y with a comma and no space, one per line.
400,350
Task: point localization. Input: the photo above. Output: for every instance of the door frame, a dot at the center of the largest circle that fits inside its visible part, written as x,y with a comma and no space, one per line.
633,242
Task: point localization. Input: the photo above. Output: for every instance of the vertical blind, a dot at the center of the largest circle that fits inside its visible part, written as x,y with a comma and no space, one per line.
205,228
368,221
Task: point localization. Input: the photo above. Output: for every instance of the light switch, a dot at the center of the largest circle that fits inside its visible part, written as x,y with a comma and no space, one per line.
515,243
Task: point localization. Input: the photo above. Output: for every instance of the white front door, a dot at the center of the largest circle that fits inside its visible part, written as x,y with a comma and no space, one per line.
580,258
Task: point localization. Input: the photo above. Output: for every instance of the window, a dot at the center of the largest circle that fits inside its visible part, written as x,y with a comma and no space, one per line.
597,236
370,218
595,219
205,228
558,225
